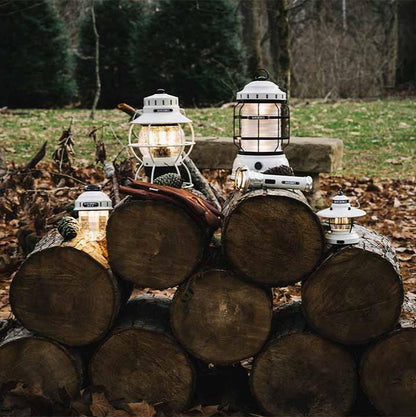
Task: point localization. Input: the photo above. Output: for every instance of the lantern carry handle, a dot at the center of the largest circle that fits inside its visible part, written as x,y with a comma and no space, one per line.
261,74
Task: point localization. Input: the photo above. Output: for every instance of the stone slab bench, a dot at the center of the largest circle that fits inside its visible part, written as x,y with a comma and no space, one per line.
307,155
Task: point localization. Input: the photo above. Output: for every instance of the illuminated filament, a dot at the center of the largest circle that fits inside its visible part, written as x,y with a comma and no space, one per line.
340,224
93,224
157,141
257,127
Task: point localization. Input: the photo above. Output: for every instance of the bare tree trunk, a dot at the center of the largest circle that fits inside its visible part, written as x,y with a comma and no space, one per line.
344,15
279,41
251,34
97,63
391,44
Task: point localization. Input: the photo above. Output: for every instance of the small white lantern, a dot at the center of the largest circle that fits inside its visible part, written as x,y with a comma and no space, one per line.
93,207
246,179
341,215
161,141
261,126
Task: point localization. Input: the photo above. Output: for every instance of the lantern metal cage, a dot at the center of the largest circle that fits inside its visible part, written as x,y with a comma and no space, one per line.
261,125
340,221
161,141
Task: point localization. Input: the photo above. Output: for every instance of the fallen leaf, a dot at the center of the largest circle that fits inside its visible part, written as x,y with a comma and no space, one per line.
142,409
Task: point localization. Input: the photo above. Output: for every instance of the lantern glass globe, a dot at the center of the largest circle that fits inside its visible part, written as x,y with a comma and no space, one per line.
340,224
259,121
93,224
161,141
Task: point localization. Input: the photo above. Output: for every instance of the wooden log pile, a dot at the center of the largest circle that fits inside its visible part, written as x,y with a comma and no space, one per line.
218,341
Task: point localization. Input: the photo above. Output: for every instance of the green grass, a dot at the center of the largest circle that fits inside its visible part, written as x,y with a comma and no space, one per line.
379,135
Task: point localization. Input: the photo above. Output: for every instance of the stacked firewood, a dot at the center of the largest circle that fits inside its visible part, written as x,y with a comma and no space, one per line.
218,341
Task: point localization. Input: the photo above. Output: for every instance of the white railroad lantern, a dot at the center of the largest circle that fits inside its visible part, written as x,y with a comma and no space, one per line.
261,126
161,140
93,207
246,179
341,215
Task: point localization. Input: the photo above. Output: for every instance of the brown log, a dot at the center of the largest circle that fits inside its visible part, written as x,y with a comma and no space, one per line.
220,318
388,369
140,360
154,243
356,294
66,291
40,362
299,373
272,236
126,108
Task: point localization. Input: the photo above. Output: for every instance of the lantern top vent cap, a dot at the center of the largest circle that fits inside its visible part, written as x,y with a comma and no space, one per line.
161,109
261,89
341,207
93,199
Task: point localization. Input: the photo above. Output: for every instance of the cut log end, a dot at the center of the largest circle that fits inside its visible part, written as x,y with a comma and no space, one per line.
388,373
388,368
40,363
154,244
220,318
65,294
353,297
273,238
302,374
140,360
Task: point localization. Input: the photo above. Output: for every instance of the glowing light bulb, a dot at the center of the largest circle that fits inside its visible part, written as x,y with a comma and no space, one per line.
161,141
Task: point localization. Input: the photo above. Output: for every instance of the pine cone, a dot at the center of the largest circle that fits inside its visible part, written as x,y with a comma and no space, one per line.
68,227
280,170
171,180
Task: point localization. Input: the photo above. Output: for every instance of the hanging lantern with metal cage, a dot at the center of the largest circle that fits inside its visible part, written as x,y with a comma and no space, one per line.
261,125
161,144
341,220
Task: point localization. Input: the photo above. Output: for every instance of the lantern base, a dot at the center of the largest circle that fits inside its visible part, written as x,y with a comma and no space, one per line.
342,238
258,162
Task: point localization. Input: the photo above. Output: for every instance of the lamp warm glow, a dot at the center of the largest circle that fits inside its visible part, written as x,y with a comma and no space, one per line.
257,126
93,224
340,224
93,207
161,141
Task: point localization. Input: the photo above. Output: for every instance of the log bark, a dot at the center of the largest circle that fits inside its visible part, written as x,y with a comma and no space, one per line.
272,236
356,294
140,360
66,291
299,373
154,243
220,318
388,369
40,362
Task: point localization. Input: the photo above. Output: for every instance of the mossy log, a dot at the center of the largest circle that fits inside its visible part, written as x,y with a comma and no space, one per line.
41,363
65,290
140,360
272,236
356,294
221,318
299,373
155,244
388,369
